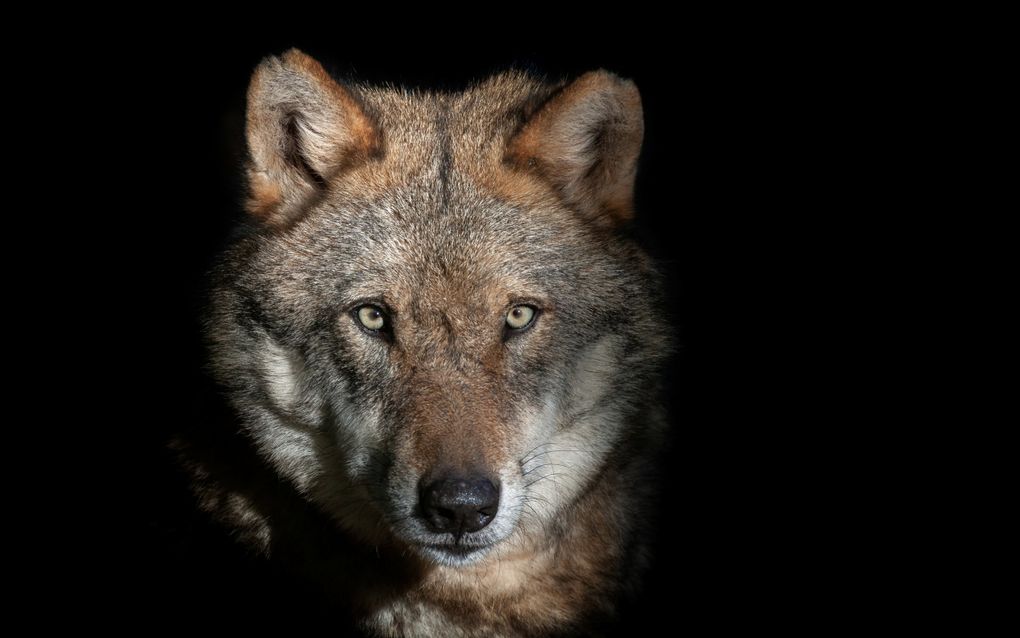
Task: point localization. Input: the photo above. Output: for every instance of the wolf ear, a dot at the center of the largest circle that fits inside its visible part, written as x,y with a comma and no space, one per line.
302,128
585,140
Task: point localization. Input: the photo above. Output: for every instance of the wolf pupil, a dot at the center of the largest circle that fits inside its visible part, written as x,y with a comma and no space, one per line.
520,317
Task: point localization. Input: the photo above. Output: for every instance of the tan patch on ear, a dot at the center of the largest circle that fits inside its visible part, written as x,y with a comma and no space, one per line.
264,196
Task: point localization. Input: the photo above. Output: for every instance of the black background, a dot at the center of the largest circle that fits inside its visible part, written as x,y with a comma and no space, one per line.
708,165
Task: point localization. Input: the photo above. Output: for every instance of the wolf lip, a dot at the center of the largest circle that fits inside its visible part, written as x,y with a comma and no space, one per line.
456,550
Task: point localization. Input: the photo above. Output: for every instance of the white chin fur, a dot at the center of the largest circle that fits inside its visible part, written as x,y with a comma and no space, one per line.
454,558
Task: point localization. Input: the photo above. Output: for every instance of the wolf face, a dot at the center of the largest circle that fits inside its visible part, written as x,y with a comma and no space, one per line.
436,331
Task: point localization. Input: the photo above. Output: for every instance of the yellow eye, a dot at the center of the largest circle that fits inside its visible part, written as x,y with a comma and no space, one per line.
372,318
520,317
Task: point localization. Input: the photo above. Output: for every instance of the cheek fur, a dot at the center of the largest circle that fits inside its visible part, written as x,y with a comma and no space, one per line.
283,372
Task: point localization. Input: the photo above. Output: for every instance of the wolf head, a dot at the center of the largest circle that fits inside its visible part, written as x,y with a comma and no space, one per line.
436,330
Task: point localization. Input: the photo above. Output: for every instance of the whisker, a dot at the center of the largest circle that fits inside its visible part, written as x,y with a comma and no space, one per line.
543,477
546,465
533,453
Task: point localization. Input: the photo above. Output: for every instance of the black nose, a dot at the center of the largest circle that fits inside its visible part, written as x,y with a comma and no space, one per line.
459,505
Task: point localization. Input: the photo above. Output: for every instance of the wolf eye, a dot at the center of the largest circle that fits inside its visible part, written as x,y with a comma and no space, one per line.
371,318
520,317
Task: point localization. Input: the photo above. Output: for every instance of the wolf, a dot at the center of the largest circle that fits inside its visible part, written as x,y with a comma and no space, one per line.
443,350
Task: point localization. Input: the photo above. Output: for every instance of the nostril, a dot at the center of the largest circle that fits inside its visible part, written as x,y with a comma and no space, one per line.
446,513
489,509
459,505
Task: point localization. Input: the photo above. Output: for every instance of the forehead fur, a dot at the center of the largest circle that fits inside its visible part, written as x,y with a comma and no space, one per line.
440,145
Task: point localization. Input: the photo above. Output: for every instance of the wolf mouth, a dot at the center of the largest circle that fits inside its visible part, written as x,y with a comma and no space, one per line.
456,549
454,553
